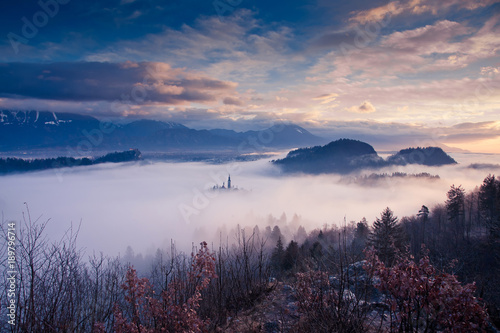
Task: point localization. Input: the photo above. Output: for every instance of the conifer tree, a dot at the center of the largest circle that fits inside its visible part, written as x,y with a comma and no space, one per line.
291,256
455,207
423,214
277,255
489,204
361,234
386,236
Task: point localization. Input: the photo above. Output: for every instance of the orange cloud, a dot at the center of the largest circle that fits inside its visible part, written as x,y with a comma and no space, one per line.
365,107
416,7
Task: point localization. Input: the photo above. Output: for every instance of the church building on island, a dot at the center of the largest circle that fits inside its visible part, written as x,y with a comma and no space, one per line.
229,187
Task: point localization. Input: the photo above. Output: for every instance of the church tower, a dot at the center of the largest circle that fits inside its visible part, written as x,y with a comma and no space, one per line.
229,182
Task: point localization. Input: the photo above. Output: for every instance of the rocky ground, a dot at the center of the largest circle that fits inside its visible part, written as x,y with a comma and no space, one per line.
275,312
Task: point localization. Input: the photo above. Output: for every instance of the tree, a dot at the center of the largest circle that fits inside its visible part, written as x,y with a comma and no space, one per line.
175,310
386,236
472,213
423,214
489,205
455,208
321,236
277,255
301,235
316,251
291,255
275,235
361,234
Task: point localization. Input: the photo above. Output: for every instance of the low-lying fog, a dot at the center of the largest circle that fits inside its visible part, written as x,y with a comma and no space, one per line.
146,204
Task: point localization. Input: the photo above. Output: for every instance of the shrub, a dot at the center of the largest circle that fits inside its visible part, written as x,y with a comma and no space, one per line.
421,298
175,310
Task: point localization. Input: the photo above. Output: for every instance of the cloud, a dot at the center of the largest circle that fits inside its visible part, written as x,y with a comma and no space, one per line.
365,107
416,7
378,13
394,136
232,101
470,132
326,98
490,71
240,48
427,39
142,83
380,72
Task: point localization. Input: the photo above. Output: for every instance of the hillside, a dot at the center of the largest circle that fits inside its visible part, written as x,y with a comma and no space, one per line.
431,156
341,156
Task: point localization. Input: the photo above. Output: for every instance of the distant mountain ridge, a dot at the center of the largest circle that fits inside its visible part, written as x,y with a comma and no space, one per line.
280,135
24,130
346,155
40,118
34,129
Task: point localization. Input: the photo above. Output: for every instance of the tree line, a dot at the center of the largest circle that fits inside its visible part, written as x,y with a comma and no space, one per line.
13,164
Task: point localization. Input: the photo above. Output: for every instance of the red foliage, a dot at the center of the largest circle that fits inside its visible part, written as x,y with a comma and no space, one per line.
421,298
314,292
147,313
326,306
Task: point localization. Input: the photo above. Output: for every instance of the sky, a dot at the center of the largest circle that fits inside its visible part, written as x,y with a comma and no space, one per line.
418,72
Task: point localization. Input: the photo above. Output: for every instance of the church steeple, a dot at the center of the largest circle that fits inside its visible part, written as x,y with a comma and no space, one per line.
229,182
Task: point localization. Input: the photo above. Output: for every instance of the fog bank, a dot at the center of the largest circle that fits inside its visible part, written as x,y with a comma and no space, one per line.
146,204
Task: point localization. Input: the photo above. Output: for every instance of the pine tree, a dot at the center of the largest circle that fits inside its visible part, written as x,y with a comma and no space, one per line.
361,234
489,204
455,207
301,235
423,214
291,256
277,255
275,235
386,236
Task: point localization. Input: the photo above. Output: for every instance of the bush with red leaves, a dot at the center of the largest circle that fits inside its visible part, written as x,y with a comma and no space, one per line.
174,310
422,299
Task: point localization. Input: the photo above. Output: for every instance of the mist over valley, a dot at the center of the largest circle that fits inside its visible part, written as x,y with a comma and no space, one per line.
146,204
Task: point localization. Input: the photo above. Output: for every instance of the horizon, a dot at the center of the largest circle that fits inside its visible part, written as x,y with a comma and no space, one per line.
405,72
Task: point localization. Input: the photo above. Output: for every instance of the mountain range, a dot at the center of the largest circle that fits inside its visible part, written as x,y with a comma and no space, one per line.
28,130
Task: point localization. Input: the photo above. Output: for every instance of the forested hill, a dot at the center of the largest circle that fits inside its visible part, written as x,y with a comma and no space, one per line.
11,165
346,155
431,156
341,156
